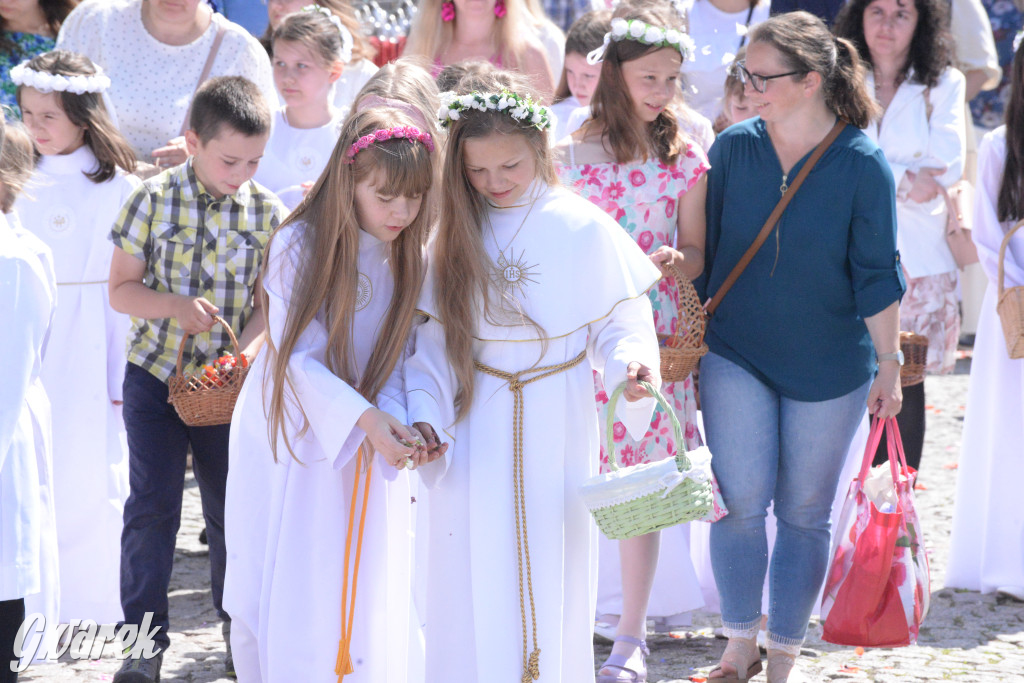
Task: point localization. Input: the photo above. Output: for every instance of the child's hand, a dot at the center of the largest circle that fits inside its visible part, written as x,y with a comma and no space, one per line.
925,188
433,449
174,153
195,314
665,256
635,372
386,434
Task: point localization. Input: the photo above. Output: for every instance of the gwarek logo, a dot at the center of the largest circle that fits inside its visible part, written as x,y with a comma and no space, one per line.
36,640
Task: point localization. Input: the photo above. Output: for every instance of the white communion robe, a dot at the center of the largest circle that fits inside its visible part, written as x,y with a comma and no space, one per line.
584,283
987,543
286,522
296,155
28,296
83,372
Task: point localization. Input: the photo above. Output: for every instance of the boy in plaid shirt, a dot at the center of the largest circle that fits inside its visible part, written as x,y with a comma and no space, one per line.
189,243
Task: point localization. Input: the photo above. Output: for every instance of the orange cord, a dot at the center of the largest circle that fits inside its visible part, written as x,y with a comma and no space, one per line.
343,663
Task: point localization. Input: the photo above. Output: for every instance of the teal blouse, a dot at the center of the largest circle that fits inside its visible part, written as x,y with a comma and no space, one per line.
795,317
29,45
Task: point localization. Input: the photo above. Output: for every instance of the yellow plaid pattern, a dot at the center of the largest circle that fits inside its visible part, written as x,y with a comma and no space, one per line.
194,245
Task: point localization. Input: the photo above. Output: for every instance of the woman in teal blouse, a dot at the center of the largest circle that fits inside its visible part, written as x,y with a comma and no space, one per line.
27,28
796,343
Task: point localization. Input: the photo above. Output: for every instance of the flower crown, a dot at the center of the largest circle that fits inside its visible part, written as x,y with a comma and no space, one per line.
347,41
642,32
45,82
410,133
522,109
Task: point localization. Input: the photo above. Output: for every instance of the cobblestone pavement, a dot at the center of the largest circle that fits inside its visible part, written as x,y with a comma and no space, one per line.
966,637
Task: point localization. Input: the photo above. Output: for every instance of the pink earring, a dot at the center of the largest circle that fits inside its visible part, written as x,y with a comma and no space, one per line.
448,11
499,9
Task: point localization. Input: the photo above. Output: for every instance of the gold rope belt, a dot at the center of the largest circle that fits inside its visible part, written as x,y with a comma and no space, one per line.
77,284
531,662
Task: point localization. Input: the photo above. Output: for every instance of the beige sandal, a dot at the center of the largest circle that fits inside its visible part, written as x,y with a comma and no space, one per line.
782,668
737,653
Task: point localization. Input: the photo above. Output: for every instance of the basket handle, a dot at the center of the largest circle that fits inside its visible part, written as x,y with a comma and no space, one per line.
682,461
216,319
696,326
1002,254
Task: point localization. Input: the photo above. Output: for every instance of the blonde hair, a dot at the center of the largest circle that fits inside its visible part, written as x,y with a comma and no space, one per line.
17,160
461,268
612,107
326,284
430,36
315,32
405,81
361,48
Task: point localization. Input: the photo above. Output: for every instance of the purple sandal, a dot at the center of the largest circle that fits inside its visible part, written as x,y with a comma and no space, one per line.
624,674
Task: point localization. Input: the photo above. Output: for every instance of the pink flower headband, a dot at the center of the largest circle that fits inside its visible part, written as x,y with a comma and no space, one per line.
410,133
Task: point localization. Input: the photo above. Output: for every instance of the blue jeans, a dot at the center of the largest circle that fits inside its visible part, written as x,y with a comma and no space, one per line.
158,443
767,447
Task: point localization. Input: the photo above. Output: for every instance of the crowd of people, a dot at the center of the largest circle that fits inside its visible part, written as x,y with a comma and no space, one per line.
437,271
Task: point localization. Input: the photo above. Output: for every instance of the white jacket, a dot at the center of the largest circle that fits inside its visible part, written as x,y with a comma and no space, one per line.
28,292
912,140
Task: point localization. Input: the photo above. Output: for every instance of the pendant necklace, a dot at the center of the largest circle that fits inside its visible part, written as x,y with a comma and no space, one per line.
512,271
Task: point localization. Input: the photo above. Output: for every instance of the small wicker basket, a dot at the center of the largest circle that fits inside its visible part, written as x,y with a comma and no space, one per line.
680,352
202,401
1010,304
915,358
641,499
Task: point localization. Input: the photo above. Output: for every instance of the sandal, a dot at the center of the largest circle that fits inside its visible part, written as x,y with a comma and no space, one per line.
782,668
738,651
624,673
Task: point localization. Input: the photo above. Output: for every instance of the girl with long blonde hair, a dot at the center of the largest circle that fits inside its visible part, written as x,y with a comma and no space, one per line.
530,289
632,159
499,31
323,410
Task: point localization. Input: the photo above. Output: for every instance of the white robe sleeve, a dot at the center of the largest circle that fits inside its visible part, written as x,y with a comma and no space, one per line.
430,391
21,302
330,405
988,232
624,336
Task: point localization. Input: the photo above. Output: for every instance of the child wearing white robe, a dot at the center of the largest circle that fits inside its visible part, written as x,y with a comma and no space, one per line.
307,63
555,290
70,202
290,491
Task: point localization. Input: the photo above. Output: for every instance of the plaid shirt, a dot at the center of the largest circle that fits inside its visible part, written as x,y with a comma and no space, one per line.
194,245
564,12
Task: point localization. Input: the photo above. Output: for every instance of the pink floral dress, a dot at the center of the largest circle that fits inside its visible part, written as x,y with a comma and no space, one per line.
642,197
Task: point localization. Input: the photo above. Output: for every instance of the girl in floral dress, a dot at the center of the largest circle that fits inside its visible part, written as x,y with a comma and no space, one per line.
633,160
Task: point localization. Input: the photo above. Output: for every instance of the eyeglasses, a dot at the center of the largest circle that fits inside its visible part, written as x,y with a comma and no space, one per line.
757,81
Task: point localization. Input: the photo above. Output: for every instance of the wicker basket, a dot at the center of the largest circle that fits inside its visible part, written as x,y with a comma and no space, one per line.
641,499
915,357
202,401
1010,305
681,351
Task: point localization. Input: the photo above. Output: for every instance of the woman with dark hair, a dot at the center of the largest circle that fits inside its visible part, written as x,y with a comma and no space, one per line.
986,554
806,336
27,28
909,54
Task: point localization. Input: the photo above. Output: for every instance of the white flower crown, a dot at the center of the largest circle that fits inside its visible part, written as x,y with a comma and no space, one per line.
522,109
347,41
44,81
642,32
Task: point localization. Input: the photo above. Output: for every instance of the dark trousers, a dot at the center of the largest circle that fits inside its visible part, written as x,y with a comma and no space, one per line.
911,421
12,614
158,443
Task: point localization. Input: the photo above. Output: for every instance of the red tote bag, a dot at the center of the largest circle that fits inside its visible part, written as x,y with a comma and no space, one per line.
877,588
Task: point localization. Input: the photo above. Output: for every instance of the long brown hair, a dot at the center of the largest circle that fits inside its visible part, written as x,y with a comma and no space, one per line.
361,46
87,111
613,114
326,284
462,269
805,45
1010,204
54,11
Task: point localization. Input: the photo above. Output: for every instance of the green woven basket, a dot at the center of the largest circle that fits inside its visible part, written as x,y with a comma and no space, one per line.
637,500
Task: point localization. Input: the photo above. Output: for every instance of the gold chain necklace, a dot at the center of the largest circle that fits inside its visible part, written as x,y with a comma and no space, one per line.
512,271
